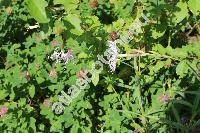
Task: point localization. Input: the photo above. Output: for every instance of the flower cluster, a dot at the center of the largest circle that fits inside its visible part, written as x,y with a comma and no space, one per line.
112,51
3,111
112,54
61,56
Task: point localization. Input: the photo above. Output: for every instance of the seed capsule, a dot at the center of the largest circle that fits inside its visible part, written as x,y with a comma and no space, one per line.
81,74
53,73
113,36
93,3
9,10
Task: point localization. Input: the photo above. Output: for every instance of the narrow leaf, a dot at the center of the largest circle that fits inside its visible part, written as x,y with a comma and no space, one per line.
32,91
95,78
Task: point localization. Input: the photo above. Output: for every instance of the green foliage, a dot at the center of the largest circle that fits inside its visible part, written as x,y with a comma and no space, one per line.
69,5
37,10
181,12
158,92
193,5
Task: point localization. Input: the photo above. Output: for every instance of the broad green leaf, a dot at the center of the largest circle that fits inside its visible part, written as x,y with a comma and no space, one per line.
40,80
69,5
58,28
158,66
159,48
182,68
37,10
3,94
179,53
156,34
194,6
41,127
75,21
32,123
108,131
68,118
82,55
95,78
181,12
74,128
72,80
32,91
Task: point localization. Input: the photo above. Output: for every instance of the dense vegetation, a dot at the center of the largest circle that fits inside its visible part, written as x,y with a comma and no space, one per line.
46,45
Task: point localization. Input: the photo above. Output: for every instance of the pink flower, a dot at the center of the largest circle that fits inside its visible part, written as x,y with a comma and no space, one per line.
81,74
3,111
62,56
163,98
54,43
66,56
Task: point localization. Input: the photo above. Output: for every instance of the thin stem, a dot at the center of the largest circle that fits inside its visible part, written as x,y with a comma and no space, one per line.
133,55
169,39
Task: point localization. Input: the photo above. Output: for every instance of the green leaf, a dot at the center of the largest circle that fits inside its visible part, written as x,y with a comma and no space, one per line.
183,103
37,10
156,34
41,127
194,6
3,94
68,118
40,80
181,12
136,126
76,22
182,68
82,55
179,53
159,48
12,94
110,88
32,91
69,5
32,123
95,78
158,66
